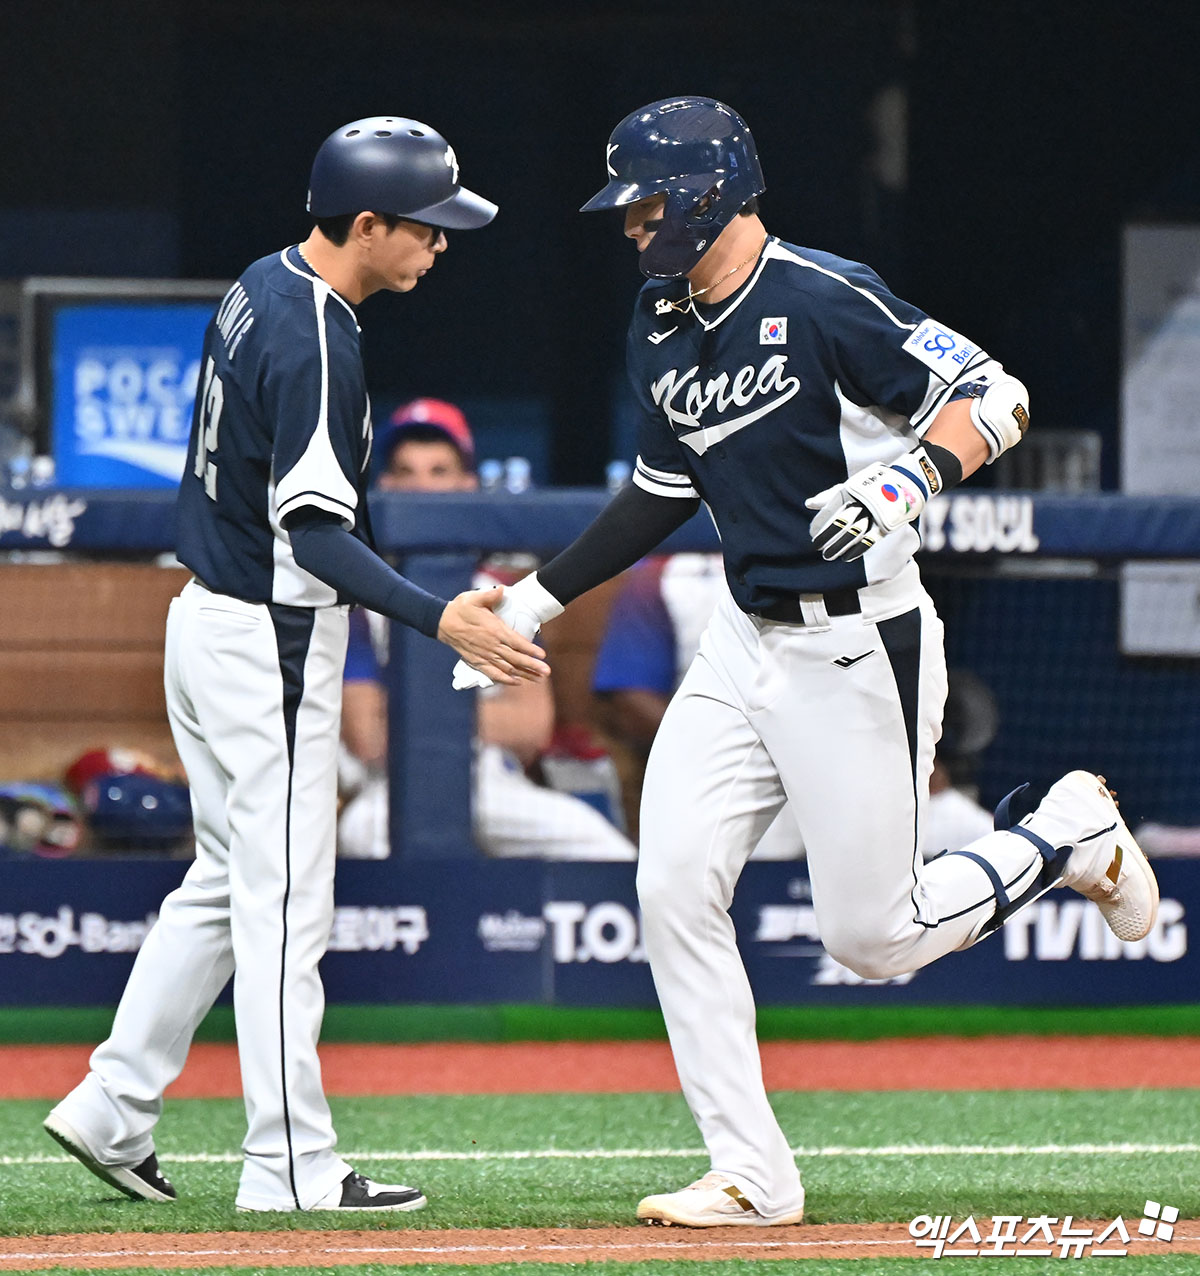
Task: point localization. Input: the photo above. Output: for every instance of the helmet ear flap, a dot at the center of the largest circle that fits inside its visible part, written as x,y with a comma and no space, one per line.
706,206
683,237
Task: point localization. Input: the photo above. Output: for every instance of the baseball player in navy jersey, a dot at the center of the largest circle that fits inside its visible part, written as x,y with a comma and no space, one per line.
814,414
273,521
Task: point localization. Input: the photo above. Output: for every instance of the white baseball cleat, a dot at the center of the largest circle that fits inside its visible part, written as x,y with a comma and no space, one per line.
1106,865
712,1201
355,1192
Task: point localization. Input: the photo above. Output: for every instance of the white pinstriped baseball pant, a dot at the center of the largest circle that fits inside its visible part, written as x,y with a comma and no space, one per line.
254,697
764,714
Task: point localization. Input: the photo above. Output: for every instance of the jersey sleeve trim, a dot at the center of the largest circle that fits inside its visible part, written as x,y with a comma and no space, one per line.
663,482
320,500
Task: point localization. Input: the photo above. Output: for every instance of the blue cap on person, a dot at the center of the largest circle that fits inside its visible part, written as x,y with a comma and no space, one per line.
419,417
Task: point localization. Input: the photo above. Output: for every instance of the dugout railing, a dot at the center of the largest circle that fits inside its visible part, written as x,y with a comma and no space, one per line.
1031,585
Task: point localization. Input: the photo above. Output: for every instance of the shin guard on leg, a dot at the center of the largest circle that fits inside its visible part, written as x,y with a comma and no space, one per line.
1054,862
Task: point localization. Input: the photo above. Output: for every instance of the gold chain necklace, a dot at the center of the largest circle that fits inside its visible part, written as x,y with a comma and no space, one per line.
662,305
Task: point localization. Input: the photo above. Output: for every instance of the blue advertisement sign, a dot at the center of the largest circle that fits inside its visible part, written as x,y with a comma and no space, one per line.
123,382
571,934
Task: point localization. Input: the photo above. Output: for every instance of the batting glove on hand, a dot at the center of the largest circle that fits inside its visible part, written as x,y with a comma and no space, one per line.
853,515
523,607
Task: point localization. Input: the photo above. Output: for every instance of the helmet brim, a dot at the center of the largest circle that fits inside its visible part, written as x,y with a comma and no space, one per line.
618,193
464,210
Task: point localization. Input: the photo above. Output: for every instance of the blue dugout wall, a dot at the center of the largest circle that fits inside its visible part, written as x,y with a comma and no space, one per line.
439,923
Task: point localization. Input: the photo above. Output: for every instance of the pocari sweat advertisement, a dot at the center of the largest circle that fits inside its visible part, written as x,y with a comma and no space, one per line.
123,384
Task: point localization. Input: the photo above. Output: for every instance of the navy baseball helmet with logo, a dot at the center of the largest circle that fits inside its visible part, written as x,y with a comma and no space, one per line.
699,153
390,164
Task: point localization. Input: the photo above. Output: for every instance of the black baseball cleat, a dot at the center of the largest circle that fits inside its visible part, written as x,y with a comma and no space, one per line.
356,1192
142,1182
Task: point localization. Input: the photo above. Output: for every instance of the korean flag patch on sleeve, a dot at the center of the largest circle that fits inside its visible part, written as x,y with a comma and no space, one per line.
773,332
941,350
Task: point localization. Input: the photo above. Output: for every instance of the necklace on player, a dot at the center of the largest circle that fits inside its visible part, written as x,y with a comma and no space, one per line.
662,305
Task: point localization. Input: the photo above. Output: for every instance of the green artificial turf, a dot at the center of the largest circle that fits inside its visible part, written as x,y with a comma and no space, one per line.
584,1160
398,1023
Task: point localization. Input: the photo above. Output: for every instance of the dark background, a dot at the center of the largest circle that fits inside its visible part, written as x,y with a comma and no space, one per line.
175,139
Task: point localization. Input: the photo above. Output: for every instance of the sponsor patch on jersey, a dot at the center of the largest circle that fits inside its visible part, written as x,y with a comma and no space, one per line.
942,350
773,332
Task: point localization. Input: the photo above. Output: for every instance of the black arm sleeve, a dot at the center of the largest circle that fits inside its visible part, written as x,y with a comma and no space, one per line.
322,546
632,524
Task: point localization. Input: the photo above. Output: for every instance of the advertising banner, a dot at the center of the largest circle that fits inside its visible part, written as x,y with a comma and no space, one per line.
123,381
480,931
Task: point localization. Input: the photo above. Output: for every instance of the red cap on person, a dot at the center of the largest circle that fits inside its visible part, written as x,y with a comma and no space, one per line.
431,414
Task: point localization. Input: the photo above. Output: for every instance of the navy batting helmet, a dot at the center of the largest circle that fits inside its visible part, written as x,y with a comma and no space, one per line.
696,151
388,164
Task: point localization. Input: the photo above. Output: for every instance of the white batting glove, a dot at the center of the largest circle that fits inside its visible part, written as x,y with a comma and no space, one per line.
523,607
853,515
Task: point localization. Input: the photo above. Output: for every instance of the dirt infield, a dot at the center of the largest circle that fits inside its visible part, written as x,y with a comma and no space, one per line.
620,1067
166,1251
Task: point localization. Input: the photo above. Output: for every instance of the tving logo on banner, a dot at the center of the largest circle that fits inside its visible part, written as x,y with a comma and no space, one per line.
1054,931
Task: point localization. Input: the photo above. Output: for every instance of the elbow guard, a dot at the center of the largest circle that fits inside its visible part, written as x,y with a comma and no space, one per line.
999,411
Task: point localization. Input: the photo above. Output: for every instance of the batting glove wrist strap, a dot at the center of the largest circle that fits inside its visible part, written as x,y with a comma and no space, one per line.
531,596
853,515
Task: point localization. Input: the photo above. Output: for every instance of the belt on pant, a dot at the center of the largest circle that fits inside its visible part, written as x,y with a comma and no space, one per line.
789,611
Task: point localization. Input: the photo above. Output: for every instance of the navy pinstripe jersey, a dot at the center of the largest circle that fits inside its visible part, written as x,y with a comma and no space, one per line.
282,421
807,373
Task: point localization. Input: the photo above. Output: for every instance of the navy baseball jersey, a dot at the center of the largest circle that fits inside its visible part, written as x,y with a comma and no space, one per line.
282,421
809,372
